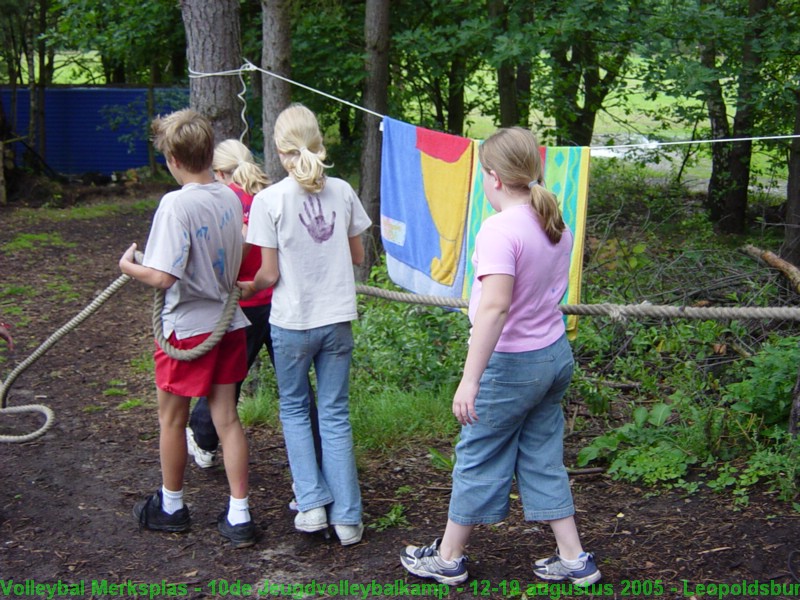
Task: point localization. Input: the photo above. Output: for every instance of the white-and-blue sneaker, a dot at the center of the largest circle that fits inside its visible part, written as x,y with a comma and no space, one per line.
582,571
425,561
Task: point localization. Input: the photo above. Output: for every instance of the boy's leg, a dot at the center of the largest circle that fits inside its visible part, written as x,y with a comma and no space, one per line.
222,403
173,411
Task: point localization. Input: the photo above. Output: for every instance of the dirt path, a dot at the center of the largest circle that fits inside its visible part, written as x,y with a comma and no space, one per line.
66,498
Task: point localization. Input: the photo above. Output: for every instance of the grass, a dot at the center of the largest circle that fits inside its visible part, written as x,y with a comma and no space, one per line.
29,241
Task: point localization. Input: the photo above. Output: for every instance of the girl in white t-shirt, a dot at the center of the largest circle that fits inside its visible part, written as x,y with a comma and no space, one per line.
308,226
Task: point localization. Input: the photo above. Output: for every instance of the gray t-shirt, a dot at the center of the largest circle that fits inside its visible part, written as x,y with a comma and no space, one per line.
311,232
196,236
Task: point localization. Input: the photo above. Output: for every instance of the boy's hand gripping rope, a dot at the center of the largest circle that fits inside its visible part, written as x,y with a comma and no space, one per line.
158,332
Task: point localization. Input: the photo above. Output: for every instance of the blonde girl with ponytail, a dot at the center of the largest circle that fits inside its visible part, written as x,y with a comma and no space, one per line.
518,367
309,228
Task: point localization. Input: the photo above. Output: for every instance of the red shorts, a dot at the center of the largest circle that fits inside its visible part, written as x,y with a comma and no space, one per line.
224,363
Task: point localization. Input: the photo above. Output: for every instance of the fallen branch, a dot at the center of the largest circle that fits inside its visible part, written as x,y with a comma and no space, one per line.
773,260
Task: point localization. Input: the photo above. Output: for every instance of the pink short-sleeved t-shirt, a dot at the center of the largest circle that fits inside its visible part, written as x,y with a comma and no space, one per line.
512,242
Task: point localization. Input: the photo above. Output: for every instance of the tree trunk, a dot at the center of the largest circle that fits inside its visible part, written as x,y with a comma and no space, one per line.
456,113
791,239
213,44
506,72
276,58
734,219
719,182
376,98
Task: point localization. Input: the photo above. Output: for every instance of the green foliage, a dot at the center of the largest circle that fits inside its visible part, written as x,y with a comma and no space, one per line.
439,460
394,518
769,378
413,346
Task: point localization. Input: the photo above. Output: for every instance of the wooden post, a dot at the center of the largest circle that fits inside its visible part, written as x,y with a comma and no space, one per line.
2,174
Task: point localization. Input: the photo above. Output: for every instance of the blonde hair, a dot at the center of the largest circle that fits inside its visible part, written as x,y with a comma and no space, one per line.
513,154
233,158
187,136
299,142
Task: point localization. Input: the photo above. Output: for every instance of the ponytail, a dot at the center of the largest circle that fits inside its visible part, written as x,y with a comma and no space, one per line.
233,157
513,153
250,177
299,142
545,203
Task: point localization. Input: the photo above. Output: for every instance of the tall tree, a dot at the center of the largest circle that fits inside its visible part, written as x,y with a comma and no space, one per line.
213,44
438,52
510,55
791,243
587,48
376,99
277,94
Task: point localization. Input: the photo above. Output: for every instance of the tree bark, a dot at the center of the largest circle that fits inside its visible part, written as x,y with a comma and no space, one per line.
277,94
791,239
376,98
719,181
213,44
734,219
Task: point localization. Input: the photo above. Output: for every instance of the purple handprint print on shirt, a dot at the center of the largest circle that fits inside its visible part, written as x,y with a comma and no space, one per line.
319,230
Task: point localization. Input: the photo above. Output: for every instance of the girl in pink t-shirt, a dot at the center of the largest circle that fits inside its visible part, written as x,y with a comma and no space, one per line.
518,367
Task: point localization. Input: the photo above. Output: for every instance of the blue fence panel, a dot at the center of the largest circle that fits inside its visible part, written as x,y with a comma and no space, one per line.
93,129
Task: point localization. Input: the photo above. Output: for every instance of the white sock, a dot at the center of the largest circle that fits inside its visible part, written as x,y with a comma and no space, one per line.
238,510
171,502
575,564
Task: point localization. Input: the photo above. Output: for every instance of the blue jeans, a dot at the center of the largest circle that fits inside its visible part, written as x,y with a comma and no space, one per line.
258,336
334,483
519,432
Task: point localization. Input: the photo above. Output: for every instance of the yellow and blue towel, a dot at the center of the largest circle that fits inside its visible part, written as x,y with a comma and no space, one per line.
432,206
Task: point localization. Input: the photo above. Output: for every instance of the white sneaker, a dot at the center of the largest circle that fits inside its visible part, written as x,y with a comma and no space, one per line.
203,458
312,520
349,534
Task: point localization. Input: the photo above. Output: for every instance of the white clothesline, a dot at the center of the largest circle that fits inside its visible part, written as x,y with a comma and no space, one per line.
249,66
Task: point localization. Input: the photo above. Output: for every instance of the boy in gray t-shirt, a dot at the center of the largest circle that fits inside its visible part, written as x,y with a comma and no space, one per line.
193,252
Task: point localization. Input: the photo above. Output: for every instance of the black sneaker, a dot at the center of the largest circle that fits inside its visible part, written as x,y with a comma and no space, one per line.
242,535
150,515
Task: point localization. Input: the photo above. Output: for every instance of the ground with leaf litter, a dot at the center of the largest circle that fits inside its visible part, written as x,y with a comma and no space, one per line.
66,498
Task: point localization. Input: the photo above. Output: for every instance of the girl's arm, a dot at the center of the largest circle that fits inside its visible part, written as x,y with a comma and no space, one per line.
356,249
490,317
147,275
268,274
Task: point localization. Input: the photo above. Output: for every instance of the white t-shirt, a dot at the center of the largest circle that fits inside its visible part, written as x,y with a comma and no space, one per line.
196,236
311,232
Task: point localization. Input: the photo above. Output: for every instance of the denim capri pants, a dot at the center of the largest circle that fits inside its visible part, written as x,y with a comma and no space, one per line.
519,432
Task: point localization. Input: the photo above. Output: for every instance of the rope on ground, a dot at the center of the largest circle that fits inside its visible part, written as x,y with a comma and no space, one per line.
44,347
615,311
158,305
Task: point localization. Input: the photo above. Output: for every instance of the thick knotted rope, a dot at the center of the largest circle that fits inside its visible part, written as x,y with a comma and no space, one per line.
615,311
158,305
